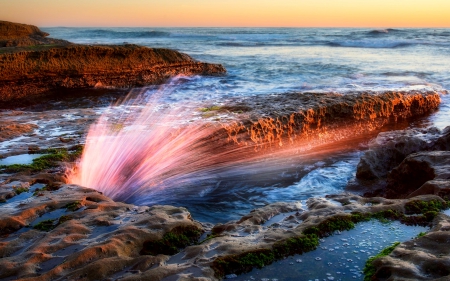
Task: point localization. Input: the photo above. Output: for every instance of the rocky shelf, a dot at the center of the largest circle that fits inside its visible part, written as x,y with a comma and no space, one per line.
36,65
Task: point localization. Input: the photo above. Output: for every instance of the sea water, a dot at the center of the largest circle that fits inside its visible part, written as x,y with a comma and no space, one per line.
264,61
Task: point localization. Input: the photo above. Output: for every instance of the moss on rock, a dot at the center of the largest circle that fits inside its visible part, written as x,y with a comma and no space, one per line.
369,269
171,243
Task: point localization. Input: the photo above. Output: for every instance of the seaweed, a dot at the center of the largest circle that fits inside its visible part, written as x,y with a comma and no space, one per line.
20,190
330,225
48,225
422,207
73,206
369,268
51,159
243,262
425,212
171,243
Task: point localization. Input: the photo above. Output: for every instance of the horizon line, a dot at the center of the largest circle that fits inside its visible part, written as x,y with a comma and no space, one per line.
346,27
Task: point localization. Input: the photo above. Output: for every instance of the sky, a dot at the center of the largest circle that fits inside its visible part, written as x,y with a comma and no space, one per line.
228,13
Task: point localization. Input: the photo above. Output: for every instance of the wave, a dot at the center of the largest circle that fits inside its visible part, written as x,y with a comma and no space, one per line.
383,31
388,44
127,34
244,44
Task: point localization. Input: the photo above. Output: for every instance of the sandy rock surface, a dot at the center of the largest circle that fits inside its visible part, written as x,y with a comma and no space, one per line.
94,237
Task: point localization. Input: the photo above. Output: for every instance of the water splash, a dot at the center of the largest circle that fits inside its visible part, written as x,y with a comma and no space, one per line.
142,144
153,150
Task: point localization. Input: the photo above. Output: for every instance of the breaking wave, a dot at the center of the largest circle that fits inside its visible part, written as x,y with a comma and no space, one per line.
105,33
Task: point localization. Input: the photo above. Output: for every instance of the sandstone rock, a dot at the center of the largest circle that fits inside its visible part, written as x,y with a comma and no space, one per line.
9,130
90,236
29,74
417,169
283,119
20,35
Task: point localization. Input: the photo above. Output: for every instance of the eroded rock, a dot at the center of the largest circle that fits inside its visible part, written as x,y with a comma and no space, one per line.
416,170
28,74
21,35
423,258
90,237
282,119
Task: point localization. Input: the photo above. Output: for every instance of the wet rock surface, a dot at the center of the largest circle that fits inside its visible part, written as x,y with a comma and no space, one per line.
417,169
282,119
77,233
424,258
85,236
406,163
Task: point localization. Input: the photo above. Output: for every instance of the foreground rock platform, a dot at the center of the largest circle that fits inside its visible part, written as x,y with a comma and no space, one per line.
79,234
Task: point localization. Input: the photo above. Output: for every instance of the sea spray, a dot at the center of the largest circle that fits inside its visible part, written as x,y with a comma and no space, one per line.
151,149
134,146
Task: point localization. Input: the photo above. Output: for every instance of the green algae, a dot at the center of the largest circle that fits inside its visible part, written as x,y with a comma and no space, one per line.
211,108
51,224
174,240
424,211
423,207
331,225
243,262
73,206
51,159
20,190
369,268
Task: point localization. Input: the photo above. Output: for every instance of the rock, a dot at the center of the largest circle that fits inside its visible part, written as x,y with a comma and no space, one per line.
423,258
33,65
390,148
20,35
282,119
443,143
93,238
31,74
416,170
440,187
9,130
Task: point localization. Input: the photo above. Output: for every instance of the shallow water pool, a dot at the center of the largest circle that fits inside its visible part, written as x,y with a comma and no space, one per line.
339,257
19,159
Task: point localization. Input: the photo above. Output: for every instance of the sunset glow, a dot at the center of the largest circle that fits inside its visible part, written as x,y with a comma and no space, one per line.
232,13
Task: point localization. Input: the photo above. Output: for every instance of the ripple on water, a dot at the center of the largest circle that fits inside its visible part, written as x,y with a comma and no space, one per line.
338,257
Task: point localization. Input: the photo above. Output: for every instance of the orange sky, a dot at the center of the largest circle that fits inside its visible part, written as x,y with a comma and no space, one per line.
243,13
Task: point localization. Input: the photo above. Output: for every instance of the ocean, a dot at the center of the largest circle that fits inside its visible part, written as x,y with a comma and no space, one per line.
264,61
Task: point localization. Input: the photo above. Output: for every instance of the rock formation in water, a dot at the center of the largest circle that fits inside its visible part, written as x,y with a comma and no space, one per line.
282,119
22,35
36,70
404,164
